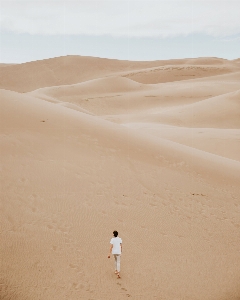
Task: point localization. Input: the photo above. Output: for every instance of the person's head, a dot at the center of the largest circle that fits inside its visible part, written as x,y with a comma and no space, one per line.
115,233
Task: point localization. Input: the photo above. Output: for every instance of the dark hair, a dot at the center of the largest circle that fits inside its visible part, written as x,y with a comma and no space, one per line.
115,233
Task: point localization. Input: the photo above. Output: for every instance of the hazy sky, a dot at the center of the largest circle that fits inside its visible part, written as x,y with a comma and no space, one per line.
133,30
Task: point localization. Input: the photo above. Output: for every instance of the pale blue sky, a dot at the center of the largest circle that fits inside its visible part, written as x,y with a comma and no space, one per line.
131,30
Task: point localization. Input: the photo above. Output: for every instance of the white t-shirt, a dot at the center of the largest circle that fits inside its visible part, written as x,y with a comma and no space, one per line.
116,241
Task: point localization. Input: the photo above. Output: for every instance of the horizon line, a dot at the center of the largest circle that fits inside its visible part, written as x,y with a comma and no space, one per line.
117,59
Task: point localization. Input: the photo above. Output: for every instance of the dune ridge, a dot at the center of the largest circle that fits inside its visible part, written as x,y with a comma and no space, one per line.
92,145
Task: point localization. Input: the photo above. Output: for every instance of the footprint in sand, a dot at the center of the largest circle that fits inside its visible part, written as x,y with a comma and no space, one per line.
73,266
128,295
75,286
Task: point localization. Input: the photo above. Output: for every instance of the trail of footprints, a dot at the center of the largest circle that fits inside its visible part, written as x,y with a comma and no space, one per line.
124,289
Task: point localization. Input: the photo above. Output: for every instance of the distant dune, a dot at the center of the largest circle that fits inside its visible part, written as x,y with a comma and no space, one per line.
63,70
151,149
74,69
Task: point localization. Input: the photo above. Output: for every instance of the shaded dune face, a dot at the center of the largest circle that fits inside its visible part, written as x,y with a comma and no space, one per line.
150,149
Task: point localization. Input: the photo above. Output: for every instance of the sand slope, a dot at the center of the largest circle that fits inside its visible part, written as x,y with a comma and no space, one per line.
158,162
223,142
217,112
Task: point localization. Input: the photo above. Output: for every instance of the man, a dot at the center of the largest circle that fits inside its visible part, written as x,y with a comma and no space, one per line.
116,250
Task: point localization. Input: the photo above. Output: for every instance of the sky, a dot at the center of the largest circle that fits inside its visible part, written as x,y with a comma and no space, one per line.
121,29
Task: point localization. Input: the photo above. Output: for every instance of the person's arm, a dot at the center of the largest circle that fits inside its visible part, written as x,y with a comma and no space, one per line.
110,251
121,247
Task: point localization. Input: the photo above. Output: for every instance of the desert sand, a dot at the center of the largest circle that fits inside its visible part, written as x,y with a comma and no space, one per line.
151,149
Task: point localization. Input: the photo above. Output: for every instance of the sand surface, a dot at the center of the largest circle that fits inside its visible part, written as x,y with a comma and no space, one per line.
151,149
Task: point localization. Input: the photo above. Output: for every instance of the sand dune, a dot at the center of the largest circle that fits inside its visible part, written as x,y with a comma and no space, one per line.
99,96
178,73
223,142
93,152
74,69
117,95
95,86
217,112
63,70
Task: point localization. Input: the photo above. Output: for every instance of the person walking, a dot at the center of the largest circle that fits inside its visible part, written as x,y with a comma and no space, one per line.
116,250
